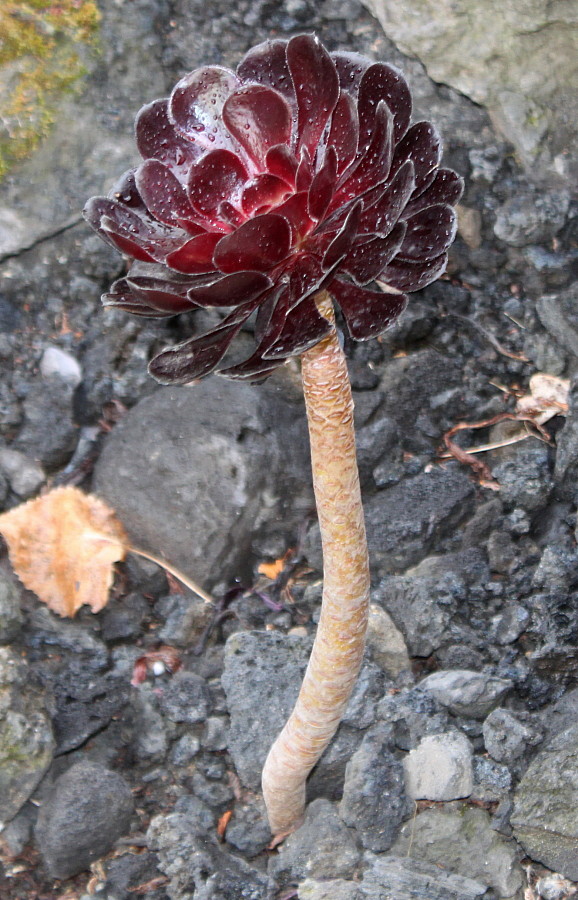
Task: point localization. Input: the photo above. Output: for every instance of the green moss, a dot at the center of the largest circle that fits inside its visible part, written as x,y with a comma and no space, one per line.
42,45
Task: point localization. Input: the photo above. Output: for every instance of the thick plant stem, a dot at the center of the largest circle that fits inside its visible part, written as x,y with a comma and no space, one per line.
338,649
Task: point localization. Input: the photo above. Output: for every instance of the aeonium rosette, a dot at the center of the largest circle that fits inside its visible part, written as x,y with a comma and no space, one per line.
297,173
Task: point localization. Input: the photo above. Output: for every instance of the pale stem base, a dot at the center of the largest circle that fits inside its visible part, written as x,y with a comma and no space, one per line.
338,649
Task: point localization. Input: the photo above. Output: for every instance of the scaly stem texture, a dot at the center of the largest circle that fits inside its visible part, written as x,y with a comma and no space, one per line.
338,649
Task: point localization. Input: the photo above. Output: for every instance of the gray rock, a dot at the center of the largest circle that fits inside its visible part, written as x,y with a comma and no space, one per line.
531,217
192,472
557,313
398,878
186,617
323,847
150,740
412,714
440,768
185,749
464,842
492,780
511,623
367,691
404,520
495,54
544,817
49,434
87,810
524,475
326,779
385,642
422,605
466,693
26,740
57,362
216,733
336,889
11,617
248,829
507,738
185,698
24,475
262,677
374,800
196,866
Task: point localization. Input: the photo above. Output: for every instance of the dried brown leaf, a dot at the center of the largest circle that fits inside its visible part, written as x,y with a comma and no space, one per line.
63,546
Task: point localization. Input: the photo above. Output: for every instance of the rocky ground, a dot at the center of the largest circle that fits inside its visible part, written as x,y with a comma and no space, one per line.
454,775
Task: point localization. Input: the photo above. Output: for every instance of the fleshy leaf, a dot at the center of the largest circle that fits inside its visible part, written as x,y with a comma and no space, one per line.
259,244
230,290
367,313
344,131
262,193
304,327
163,194
259,118
382,82
156,137
266,64
316,87
323,185
196,105
381,216
429,233
368,258
198,356
63,546
413,276
446,187
196,256
422,144
219,176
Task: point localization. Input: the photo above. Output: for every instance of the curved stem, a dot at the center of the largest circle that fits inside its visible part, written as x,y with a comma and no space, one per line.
338,649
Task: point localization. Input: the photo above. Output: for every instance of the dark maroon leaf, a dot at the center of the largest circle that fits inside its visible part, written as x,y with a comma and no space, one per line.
259,244
381,82
156,137
446,187
344,131
196,105
295,211
374,166
198,356
303,327
367,313
412,276
382,215
230,290
121,297
350,68
196,256
161,296
304,175
316,87
262,193
343,241
368,258
281,161
429,233
228,214
164,195
267,64
422,144
126,192
259,118
218,176
323,185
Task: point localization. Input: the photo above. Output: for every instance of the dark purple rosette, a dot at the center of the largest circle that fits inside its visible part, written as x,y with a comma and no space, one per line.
297,173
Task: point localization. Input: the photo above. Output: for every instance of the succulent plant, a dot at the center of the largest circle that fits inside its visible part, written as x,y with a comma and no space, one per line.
297,173
294,183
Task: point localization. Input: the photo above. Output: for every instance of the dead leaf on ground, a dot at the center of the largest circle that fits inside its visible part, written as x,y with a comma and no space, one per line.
63,546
